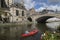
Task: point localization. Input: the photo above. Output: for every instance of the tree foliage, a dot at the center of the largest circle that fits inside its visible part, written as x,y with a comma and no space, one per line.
51,36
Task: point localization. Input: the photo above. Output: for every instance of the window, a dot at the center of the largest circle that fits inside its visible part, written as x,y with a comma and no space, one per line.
3,4
22,6
22,13
5,14
17,12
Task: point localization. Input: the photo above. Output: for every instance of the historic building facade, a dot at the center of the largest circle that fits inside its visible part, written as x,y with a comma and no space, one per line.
18,12
14,12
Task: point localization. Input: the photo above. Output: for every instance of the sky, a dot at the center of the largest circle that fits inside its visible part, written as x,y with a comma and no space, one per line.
39,5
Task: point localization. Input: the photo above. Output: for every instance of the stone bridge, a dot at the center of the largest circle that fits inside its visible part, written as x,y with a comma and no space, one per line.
34,17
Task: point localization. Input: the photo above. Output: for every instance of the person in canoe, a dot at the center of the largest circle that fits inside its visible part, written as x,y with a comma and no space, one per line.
26,32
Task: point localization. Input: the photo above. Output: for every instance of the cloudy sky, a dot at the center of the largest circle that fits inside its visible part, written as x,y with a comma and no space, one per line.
41,4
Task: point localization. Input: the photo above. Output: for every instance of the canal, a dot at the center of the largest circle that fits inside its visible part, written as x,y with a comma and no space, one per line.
14,32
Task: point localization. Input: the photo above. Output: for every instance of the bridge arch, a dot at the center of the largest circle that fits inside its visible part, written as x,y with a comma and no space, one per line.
29,19
43,19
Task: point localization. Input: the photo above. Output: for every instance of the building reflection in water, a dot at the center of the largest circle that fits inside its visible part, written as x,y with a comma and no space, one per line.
10,33
14,32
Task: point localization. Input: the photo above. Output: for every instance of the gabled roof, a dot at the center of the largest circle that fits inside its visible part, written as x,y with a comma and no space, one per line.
31,9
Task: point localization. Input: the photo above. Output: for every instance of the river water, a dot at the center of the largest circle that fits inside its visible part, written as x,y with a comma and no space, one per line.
14,32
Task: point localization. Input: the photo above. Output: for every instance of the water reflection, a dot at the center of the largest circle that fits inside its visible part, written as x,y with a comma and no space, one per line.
14,32
53,25
9,33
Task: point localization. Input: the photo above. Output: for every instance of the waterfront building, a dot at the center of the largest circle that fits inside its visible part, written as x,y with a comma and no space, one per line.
13,12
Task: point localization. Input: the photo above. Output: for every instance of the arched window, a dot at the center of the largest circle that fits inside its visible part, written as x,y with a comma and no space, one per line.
22,13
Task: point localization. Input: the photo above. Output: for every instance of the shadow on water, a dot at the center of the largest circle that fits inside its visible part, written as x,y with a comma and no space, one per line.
42,27
53,26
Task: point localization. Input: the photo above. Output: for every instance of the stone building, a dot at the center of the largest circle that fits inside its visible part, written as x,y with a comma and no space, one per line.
13,12
18,12
32,11
4,11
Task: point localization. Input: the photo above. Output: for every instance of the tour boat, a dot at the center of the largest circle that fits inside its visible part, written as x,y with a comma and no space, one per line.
30,33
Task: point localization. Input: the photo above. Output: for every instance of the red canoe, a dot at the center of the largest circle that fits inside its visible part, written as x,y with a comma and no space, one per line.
30,33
